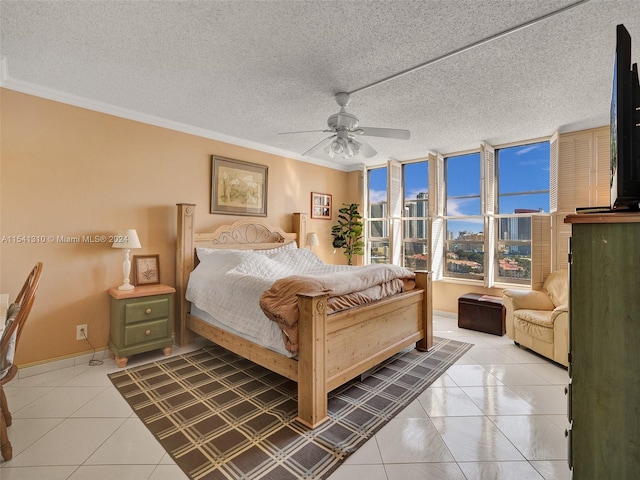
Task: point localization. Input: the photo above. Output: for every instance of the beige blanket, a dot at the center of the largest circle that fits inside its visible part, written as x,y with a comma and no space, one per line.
345,289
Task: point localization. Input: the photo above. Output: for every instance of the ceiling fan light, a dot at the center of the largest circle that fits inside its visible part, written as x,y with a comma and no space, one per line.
337,146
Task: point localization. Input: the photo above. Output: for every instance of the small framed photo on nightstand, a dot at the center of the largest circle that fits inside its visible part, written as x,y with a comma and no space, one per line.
146,269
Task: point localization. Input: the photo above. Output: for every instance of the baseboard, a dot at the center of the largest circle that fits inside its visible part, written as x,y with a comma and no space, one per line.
57,364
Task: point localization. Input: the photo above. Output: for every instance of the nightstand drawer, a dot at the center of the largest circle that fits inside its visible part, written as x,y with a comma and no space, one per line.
146,332
146,310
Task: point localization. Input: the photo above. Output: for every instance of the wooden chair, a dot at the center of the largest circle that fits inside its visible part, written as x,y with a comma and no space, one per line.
17,314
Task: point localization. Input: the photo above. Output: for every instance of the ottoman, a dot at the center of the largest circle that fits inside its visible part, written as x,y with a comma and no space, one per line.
483,313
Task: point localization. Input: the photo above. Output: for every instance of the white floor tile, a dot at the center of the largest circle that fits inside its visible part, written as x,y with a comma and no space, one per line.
168,472
411,440
349,472
413,410
69,443
514,374
490,356
500,471
54,378
545,400
422,471
473,439
447,402
131,444
556,470
367,454
109,403
19,397
536,436
551,372
111,472
24,432
36,473
472,375
59,403
498,400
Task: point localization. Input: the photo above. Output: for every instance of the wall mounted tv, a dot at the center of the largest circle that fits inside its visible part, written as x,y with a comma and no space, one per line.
625,127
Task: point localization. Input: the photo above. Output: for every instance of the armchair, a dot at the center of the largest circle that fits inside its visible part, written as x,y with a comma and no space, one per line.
539,319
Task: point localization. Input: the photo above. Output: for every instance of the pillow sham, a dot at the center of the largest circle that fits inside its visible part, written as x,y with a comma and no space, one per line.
203,252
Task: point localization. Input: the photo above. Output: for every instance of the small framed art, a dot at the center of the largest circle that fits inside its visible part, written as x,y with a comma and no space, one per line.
321,205
146,269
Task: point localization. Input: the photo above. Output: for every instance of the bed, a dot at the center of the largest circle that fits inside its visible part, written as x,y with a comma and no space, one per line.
332,349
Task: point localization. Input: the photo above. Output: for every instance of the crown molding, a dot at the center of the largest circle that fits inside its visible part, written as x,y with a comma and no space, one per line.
9,83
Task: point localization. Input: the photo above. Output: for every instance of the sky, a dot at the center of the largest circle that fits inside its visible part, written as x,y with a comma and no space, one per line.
521,168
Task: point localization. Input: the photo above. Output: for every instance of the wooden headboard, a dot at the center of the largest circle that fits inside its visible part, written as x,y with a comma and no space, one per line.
249,233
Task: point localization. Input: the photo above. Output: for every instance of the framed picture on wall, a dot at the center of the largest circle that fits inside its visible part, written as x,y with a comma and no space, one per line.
321,205
238,188
146,269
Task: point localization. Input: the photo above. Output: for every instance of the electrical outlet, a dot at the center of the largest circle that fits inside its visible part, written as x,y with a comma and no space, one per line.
82,332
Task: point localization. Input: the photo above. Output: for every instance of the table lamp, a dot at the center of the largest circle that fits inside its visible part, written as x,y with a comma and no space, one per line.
312,240
127,240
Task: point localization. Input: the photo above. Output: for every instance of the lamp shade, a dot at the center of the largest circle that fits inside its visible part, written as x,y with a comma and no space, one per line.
312,239
127,239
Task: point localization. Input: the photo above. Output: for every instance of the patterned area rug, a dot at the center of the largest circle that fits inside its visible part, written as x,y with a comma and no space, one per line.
223,417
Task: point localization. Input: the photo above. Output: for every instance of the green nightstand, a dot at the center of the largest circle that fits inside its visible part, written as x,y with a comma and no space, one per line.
141,320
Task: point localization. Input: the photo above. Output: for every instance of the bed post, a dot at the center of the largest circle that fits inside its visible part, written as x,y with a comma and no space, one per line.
299,227
312,369
423,280
184,265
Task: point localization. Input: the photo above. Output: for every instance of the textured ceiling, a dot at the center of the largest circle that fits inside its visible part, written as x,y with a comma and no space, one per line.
243,71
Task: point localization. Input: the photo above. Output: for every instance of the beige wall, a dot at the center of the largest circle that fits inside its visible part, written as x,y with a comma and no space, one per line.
68,171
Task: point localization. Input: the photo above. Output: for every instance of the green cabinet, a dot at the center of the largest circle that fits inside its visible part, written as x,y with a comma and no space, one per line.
141,320
604,345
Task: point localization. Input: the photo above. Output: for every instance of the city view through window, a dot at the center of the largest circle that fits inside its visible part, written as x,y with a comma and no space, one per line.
522,189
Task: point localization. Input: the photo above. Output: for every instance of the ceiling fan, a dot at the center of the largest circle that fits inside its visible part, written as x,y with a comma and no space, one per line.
345,128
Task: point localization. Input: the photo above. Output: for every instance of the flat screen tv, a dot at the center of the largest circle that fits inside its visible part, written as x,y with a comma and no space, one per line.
625,129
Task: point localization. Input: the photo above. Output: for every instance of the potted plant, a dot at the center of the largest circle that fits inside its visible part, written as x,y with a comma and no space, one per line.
347,234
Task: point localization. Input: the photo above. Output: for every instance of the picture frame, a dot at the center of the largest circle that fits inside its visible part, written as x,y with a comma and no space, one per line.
146,269
238,187
321,205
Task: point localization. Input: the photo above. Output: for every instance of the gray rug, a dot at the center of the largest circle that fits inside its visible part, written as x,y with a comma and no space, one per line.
220,416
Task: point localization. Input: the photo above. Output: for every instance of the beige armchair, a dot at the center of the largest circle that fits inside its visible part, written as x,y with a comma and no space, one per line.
539,319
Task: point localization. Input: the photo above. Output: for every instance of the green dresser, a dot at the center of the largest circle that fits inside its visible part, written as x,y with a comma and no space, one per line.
141,320
604,346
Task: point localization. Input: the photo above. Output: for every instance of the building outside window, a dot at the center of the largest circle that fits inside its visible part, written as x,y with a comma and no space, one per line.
523,190
377,220
415,213
464,242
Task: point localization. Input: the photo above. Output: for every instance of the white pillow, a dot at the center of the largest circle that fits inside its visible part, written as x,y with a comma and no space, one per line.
202,252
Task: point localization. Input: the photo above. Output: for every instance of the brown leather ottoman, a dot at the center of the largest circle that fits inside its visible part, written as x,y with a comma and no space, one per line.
483,313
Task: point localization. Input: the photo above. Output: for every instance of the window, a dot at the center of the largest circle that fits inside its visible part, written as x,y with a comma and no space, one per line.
415,212
377,221
523,190
523,178
482,216
464,242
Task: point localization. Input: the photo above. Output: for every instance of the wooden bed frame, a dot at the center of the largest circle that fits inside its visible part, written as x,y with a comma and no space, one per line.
332,349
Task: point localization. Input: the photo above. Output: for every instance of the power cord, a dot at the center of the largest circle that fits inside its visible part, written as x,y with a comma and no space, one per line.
94,361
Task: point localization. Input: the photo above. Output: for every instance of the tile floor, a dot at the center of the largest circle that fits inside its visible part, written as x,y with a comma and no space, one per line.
498,413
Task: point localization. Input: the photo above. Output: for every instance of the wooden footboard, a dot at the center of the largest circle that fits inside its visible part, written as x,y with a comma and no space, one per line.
332,349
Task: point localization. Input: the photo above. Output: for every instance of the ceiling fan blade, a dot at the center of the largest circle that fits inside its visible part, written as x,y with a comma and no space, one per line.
319,147
366,150
306,131
384,132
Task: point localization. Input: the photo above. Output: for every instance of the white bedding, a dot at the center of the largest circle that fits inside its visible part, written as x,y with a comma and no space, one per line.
227,284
